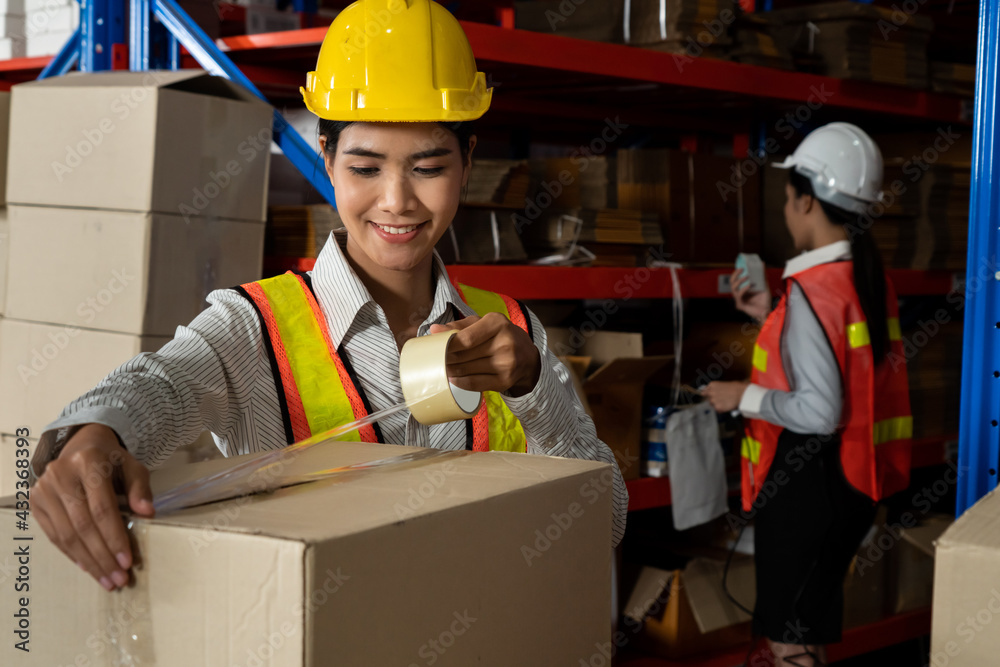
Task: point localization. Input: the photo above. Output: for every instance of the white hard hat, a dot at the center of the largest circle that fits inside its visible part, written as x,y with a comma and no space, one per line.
843,164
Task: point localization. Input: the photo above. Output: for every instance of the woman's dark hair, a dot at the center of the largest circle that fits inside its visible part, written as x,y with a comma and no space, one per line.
869,275
331,129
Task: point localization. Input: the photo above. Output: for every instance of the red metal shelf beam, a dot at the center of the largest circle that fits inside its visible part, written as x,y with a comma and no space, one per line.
572,282
626,63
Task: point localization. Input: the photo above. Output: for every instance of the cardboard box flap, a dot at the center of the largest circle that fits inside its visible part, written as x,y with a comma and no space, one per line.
648,589
627,371
978,526
711,607
189,80
925,535
367,499
602,346
117,79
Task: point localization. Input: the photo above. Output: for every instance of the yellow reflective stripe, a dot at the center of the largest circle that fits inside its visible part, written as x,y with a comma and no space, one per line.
894,332
750,449
506,432
484,302
759,358
897,428
857,334
316,378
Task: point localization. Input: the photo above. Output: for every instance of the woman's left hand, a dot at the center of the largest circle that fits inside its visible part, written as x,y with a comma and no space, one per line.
724,396
491,354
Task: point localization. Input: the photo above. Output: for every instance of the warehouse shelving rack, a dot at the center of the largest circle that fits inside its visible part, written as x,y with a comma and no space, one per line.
556,77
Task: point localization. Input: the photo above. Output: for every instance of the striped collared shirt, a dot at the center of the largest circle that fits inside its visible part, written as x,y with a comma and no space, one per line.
215,375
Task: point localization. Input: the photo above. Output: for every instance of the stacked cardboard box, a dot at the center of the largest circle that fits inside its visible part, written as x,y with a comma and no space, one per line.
617,237
858,41
596,21
495,181
48,25
754,43
693,28
956,78
146,194
709,206
12,26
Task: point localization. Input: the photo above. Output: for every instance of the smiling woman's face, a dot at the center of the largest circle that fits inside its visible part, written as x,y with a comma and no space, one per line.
398,187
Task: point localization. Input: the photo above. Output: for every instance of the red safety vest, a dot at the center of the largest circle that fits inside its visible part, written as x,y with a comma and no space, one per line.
876,425
317,388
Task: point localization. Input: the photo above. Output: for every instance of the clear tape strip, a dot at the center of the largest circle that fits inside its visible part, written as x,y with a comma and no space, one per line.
261,474
129,611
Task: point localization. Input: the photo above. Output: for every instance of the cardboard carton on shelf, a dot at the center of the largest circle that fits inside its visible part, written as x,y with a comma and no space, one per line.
709,210
912,565
966,588
614,390
397,565
183,143
681,613
130,272
43,367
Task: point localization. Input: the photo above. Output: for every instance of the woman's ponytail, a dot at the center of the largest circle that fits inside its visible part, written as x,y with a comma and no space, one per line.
869,274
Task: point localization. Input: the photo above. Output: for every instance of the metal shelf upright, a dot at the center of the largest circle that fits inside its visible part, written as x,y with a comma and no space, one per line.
979,425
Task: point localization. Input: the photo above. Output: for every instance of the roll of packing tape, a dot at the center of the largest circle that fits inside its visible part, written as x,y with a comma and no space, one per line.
423,373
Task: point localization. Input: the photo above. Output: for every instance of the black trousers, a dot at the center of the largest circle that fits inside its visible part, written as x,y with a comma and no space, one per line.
809,524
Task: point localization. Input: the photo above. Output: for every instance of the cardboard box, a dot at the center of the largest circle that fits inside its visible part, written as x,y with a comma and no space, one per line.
4,257
181,142
709,209
967,588
47,43
11,47
44,367
913,565
614,390
136,273
867,581
52,20
415,564
686,612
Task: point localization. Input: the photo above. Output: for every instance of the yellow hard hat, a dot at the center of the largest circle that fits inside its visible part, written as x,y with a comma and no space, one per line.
396,60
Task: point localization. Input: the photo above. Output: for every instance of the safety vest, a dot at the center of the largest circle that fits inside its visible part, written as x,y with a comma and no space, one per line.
318,389
876,425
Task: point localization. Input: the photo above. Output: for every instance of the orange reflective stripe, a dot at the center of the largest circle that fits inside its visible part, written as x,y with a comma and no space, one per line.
481,430
367,432
514,312
296,411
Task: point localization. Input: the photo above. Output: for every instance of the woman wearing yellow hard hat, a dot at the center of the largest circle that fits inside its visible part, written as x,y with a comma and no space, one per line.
274,361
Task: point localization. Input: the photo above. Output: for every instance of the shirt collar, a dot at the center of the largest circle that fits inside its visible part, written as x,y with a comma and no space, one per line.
833,252
342,295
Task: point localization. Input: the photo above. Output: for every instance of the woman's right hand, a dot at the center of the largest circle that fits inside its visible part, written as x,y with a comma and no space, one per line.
74,501
755,304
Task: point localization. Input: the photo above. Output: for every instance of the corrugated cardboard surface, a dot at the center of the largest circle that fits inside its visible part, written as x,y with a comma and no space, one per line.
421,564
4,142
169,142
135,273
44,367
966,613
913,565
4,257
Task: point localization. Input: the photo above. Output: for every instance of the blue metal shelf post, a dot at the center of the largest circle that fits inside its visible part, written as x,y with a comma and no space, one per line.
979,429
